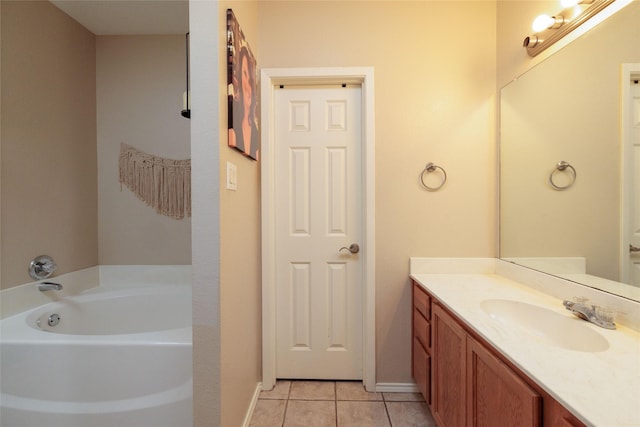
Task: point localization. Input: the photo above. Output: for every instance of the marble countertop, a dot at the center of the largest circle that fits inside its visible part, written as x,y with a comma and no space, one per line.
600,388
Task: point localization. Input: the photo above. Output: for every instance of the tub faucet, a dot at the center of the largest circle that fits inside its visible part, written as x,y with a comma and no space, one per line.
591,313
49,286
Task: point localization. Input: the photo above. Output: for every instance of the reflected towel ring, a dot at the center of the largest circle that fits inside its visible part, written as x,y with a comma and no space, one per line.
430,167
562,166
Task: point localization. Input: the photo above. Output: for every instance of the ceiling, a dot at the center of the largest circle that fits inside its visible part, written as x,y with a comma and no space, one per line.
129,17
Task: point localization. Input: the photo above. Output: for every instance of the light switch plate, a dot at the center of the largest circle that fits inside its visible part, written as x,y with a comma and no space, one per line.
232,176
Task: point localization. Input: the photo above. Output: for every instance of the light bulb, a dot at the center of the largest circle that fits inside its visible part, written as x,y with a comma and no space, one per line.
542,22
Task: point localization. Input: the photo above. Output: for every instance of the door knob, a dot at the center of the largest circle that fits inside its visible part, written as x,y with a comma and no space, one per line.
353,248
634,248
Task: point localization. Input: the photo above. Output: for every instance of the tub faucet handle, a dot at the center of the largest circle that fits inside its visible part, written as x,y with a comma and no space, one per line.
42,267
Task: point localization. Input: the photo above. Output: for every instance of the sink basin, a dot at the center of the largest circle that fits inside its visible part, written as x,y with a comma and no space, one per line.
567,332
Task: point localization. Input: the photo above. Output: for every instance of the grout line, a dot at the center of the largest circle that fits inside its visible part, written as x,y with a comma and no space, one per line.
286,403
386,410
315,400
335,403
284,416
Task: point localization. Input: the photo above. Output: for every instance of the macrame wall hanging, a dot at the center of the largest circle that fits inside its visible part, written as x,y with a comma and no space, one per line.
163,184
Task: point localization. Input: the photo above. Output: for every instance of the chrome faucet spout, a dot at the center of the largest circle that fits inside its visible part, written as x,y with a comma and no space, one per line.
49,286
591,313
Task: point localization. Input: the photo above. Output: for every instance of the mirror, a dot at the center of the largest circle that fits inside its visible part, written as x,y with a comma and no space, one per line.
568,108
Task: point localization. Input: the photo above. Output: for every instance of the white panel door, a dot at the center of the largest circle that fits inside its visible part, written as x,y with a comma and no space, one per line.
634,217
318,133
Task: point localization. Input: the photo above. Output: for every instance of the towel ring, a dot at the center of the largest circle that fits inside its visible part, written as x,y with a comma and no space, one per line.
430,167
562,166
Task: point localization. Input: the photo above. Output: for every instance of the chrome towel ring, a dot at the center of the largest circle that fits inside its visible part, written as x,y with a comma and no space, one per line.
561,167
430,167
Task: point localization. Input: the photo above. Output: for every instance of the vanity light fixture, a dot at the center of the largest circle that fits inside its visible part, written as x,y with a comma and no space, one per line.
550,29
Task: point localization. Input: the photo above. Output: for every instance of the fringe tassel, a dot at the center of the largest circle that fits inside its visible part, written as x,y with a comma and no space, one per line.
163,184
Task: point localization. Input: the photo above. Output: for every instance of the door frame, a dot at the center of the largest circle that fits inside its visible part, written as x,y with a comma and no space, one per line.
271,77
628,70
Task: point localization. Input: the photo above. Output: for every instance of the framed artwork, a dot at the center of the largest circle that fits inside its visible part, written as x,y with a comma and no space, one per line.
242,92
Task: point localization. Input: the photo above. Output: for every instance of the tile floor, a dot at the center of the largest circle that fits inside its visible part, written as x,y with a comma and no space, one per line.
338,404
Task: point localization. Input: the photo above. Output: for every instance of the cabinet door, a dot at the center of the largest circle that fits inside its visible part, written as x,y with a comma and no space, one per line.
422,370
557,416
449,369
497,396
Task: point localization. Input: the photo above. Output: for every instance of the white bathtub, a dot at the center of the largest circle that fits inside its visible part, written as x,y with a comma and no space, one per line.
119,357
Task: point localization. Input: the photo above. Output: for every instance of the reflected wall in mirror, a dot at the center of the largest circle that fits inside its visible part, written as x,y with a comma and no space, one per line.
568,108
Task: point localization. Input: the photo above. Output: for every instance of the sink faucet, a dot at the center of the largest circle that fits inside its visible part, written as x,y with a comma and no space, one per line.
591,313
49,286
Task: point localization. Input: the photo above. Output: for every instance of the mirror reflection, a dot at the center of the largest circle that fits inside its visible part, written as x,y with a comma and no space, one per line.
570,109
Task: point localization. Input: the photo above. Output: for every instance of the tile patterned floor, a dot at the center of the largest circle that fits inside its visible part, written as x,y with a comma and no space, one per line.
338,404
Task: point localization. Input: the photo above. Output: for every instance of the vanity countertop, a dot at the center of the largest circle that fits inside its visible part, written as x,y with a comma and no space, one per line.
601,388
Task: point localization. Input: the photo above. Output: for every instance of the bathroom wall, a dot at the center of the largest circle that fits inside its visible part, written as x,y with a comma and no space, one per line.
49,184
0,148
240,256
435,71
139,86
227,325
206,129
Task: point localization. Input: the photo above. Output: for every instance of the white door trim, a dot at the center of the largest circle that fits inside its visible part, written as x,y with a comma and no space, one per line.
628,70
271,77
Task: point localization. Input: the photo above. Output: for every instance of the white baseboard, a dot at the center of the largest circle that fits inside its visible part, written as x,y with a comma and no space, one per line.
396,388
252,405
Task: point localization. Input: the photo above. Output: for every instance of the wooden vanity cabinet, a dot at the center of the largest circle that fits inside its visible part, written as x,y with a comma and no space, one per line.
421,342
449,370
472,387
468,382
494,388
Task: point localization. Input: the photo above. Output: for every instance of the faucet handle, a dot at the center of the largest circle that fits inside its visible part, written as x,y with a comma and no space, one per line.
42,267
48,267
580,300
581,307
605,314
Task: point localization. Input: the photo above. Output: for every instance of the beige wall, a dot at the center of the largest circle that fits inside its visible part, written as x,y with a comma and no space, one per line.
140,81
0,148
240,256
49,187
434,65
206,127
60,143
1,281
